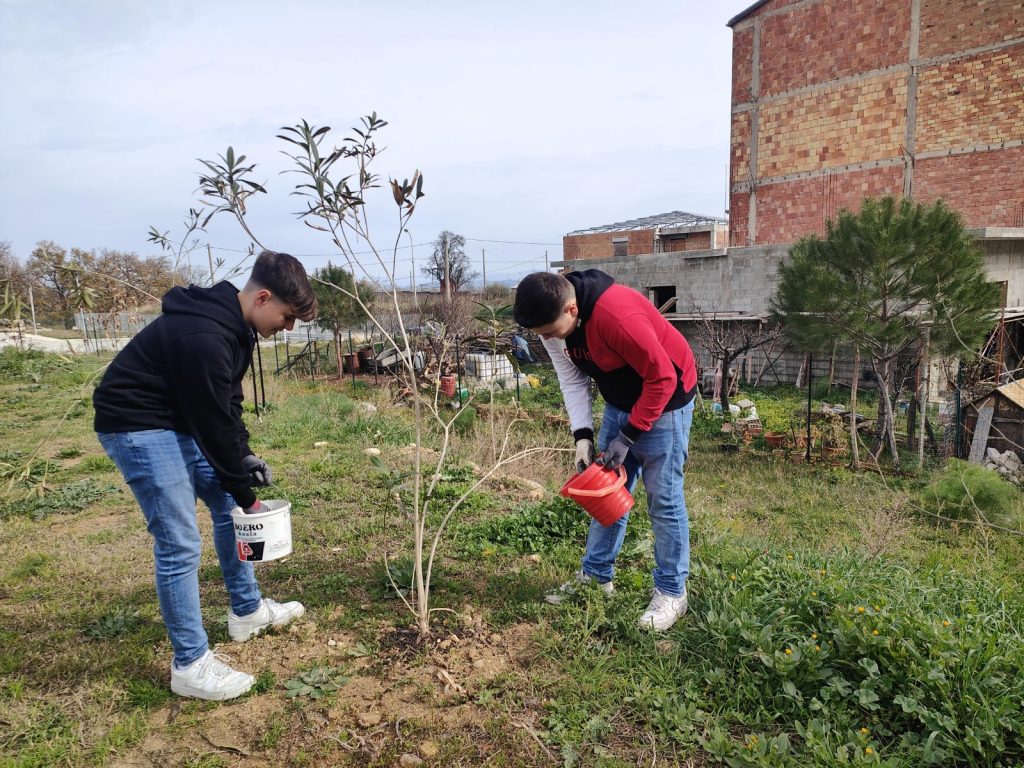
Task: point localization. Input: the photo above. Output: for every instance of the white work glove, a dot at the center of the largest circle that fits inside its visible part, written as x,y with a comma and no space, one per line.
584,454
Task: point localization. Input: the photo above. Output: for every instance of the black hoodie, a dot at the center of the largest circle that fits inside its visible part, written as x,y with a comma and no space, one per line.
640,362
184,372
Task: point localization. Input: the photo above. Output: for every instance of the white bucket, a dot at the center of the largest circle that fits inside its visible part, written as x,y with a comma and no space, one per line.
265,535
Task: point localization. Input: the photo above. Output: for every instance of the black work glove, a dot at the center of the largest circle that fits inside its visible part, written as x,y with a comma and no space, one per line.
584,453
616,451
257,469
256,508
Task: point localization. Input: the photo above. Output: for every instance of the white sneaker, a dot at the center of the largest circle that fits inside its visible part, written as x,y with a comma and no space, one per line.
570,588
270,614
663,611
210,678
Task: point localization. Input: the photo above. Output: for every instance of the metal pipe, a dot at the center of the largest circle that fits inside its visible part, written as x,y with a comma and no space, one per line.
810,379
458,369
263,384
255,391
351,358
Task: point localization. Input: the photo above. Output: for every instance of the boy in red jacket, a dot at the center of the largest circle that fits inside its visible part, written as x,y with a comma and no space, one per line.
644,369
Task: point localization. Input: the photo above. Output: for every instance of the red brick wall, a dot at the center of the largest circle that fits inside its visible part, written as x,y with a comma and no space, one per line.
742,53
599,246
824,41
739,211
697,241
739,168
948,26
973,100
789,210
994,179
837,125
969,101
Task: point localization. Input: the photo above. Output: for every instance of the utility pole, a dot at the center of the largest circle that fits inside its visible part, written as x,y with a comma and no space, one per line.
546,267
412,273
447,273
32,304
483,260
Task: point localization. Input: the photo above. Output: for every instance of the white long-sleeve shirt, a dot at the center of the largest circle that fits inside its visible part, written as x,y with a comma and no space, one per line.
575,386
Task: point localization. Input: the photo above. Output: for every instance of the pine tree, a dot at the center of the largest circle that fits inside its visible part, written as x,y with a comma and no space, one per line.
338,309
882,280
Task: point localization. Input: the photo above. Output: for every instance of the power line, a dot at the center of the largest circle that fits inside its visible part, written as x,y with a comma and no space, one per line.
506,242
496,259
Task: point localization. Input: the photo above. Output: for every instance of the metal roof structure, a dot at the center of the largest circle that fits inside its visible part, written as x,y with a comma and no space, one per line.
670,219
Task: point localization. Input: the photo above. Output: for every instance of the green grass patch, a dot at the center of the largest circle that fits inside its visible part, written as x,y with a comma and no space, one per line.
795,659
65,499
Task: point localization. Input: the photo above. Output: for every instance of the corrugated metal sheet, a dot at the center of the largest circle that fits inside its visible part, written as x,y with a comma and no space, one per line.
670,219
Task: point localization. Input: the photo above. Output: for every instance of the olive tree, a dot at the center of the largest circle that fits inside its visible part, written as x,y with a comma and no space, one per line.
336,183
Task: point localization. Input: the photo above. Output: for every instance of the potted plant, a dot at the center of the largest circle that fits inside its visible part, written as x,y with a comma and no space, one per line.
833,436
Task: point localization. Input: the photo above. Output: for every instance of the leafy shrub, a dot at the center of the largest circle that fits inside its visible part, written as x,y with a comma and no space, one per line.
787,660
117,622
66,499
539,527
465,420
965,491
29,364
705,424
316,683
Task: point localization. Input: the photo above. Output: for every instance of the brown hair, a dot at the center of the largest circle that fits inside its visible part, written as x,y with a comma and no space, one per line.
285,277
540,298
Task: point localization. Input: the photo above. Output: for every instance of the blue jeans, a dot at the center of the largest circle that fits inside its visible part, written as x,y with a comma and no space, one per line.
166,471
658,456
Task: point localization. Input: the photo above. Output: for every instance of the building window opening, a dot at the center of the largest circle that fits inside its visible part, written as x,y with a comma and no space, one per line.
660,295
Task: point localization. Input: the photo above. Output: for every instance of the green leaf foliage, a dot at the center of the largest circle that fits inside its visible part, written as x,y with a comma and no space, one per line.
965,491
880,276
335,290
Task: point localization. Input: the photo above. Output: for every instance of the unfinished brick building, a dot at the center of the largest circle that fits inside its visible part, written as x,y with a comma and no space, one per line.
835,100
673,232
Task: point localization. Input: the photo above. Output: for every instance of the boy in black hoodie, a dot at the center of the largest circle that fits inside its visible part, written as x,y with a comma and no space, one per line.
169,415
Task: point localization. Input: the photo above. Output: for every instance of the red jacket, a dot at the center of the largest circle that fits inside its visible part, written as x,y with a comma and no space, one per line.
639,361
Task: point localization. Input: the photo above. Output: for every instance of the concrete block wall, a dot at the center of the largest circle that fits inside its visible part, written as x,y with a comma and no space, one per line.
1004,262
834,100
743,280
723,280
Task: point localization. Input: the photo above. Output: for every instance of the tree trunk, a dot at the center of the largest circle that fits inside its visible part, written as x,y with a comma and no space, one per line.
832,366
337,353
726,384
889,423
854,440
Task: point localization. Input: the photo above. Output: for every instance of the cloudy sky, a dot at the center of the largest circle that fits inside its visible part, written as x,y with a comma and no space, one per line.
528,119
